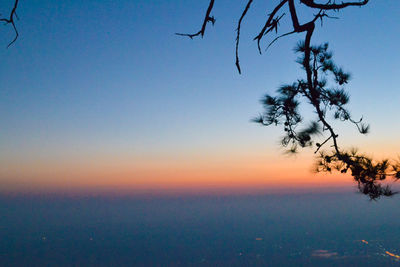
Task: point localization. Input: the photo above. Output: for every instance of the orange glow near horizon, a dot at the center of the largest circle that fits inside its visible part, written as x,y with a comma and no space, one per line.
234,174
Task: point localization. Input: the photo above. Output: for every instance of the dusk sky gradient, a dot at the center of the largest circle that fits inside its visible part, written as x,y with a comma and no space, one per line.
103,96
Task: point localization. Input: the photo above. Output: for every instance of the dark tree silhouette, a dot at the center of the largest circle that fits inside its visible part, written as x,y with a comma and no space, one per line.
323,88
10,20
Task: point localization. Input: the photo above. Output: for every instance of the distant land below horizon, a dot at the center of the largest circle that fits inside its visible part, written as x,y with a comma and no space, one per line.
321,229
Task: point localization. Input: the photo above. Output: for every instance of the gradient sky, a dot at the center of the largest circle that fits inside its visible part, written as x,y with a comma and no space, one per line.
101,95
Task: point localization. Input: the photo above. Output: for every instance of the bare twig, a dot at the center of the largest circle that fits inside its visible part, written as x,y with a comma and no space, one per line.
207,18
270,23
238,34
10,20
311,3
277,38
323,143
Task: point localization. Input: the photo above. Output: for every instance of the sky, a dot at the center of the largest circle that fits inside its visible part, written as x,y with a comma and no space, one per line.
101,96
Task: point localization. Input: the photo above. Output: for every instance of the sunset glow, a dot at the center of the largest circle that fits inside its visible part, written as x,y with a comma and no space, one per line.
134,116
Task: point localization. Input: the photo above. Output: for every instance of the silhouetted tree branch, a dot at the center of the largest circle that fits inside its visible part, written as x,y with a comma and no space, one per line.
272,22
238,33
11,20
334,6
323,88
207,18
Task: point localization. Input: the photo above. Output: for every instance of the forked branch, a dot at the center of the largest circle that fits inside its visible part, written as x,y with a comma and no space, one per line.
207,18
11,20
273,20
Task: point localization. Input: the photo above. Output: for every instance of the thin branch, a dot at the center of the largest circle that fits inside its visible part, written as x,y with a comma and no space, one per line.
238,34
207,18
280,36
10,20
269,23
323,143
311,3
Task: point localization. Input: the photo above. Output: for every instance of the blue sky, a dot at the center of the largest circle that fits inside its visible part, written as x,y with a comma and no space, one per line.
110,79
